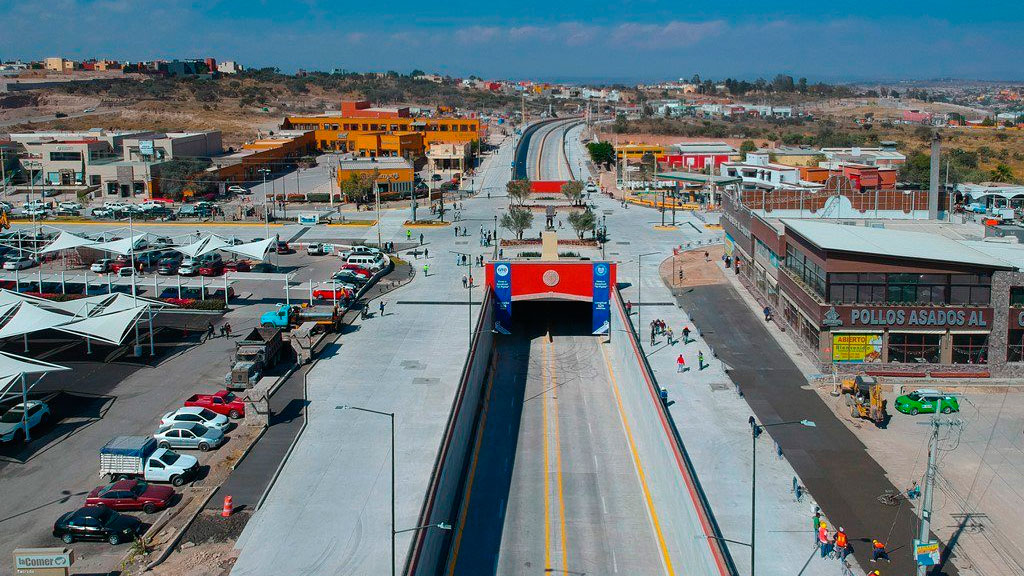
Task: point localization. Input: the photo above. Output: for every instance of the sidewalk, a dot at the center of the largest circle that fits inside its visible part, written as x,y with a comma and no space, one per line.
829,459
712,420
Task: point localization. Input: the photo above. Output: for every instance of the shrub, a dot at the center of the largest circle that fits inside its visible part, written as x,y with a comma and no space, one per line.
318,197
296,197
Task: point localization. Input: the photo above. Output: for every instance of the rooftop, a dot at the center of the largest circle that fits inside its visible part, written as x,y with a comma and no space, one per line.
384,163
905,243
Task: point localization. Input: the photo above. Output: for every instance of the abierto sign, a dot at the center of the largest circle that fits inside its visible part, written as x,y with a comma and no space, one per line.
43,561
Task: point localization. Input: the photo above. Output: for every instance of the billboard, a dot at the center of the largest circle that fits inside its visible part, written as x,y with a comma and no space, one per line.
502,297
146,147
601,312
857,347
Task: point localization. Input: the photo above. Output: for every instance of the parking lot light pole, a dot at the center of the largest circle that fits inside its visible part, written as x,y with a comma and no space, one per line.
266,211
391,416
755,431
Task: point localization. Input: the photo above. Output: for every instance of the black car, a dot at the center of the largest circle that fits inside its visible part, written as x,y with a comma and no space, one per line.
169,264
97,523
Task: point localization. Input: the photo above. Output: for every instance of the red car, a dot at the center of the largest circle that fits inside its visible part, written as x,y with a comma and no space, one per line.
331,294
120,262
221,402
357,269
215,268
125,495
237,266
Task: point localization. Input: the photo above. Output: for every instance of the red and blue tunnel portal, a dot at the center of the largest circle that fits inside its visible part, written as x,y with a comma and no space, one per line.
577,281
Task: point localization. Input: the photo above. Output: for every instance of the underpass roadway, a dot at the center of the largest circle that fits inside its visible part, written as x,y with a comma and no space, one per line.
559,481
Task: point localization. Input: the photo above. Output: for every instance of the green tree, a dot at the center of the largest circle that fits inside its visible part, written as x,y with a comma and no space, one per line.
358,187
1002,173
518,191
517,220
573,191
582,222
181,174
747,146
988,121
648,167
601,153
620,125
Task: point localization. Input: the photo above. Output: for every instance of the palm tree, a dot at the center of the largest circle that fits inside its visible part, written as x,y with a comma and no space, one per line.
1002,173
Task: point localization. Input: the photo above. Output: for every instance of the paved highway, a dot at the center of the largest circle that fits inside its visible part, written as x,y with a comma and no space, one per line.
556,484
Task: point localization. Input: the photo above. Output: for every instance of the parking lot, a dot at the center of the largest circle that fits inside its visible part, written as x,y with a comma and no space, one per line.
111,393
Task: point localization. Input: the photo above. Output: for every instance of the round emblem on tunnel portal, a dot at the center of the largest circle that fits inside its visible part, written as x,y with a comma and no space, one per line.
502,269
550,278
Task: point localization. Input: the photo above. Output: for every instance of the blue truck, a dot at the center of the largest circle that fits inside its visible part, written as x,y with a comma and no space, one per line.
289,315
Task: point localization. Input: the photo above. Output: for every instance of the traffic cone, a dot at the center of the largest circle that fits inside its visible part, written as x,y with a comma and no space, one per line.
229,508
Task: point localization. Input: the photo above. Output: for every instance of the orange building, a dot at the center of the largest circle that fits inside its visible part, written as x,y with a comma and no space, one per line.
402,144
343,130
390,174
275,153
862,176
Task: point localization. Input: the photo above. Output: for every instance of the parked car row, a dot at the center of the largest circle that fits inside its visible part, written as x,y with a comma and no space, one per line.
140,466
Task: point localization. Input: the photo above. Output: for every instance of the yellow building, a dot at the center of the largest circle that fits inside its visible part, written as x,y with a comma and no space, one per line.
59,65
396,133
636,151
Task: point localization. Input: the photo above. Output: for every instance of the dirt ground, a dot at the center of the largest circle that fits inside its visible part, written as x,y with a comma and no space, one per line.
695,271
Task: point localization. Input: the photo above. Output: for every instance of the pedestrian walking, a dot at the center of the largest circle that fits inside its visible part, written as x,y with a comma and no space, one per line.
222,332
501,253
426,252
842,544
421,239
408,234
700,360
707,256
815,522
426,269
209,330
465,281
680,364
652,336
382,308
767,314
686,334
878,552
471,281
823,542
456,228
668,336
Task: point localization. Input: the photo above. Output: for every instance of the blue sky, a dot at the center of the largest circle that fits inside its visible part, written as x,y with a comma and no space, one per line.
628,40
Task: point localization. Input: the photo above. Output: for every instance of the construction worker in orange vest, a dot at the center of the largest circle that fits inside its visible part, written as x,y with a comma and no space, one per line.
878,551
841,544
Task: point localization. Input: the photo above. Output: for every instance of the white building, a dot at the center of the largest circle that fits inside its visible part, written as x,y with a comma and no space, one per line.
229,67
758,173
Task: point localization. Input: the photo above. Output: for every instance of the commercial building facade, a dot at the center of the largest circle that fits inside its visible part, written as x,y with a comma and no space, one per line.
391,175
275,153
357,124
884,296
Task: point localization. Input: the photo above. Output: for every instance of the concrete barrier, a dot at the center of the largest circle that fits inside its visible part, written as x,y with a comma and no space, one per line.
440,504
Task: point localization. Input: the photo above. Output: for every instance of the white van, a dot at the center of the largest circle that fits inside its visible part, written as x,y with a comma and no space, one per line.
373,262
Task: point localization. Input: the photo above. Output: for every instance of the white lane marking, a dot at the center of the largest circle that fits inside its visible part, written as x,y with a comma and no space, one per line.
615,563
604,506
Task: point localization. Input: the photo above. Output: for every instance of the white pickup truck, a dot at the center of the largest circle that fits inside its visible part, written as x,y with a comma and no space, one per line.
139,457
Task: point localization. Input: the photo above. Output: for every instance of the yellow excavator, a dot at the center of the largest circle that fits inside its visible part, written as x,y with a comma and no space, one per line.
865,398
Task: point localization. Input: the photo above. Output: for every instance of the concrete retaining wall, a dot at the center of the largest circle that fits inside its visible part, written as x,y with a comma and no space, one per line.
440,504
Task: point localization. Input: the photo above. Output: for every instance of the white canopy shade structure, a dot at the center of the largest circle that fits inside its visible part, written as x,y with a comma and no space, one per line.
120,301
253,250
124,246
9,297
13,370
202,246
81,307
66,241
30,318
109,327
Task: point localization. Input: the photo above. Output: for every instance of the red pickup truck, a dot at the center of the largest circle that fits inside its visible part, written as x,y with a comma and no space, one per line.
221,402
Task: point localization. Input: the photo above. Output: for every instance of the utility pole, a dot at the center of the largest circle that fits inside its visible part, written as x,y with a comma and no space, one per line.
929,481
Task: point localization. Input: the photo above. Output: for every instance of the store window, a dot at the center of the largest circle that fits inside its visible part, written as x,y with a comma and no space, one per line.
1015,346
970,289
916,289
913,348
65,156
970,348
805,269
1017,296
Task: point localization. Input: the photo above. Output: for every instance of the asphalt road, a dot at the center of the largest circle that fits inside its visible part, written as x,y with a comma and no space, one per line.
831,462
555,489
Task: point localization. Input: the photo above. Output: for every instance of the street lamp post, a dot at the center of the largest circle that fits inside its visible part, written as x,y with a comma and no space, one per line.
639,297
495,257
391,416
469,292
755,431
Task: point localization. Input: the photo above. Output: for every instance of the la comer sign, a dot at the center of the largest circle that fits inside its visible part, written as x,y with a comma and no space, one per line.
916,317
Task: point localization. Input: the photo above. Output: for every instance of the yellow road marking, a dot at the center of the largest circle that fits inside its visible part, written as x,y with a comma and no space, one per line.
472,473
558,456
666,560
547,480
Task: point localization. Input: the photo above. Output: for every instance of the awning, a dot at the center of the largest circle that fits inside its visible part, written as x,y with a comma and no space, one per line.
124,246
202,246
31,318
66,241
253,250
110,327
119,301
